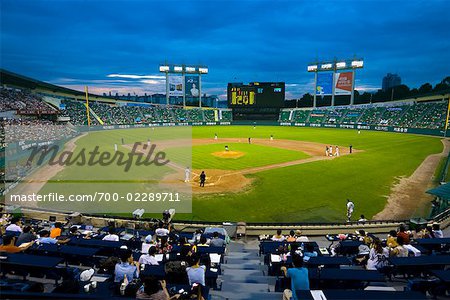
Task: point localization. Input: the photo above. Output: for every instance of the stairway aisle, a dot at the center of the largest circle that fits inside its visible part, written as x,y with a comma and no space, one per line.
244,275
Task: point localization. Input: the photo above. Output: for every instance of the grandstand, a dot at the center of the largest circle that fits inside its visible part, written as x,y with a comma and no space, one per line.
412,114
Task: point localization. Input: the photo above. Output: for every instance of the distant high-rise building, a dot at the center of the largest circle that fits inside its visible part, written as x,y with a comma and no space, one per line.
390,81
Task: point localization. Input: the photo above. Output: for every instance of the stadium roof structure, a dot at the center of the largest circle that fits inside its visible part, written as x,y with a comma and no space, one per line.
442,191
13,79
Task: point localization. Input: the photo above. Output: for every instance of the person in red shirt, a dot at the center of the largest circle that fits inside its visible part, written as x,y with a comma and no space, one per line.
404,234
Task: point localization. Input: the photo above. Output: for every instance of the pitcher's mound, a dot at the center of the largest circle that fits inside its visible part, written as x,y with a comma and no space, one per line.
228,154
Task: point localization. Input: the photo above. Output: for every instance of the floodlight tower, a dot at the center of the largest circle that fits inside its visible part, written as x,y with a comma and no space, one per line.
334,66
183,70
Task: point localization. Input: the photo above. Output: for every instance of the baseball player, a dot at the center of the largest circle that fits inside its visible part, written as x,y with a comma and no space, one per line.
350,208
187,174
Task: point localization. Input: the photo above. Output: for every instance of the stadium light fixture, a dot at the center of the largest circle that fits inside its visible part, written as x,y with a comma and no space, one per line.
357,64
164,68
190,69
178,69
203,70
341,65
312,68
327,66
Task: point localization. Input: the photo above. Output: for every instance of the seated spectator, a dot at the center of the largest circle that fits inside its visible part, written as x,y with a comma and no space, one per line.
392,239
127,267
298,275
147,244
278,237
186,249
404,234
400,250
73,231
203,242
9,247
300,237
111,236
364,237
26,236
56,230
149,258
427,233
164,246
291,238
196,236
15,226
154,289
437,232
309,252
196,272
378,256
46,239
216,241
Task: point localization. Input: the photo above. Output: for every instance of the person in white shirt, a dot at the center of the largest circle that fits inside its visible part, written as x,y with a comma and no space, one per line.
331,150
147,244
350,208
187,173
337,151
162,230
149,259
436,231
112,237
278,237
15,225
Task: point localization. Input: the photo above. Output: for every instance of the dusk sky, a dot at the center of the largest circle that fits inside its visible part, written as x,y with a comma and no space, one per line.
117,46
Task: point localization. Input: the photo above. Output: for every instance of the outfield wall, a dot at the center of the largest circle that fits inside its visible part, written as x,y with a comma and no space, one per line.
424,131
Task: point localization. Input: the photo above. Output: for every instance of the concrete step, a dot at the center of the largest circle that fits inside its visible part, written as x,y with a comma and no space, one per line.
253,279
244,266
247,296
244,288
240,274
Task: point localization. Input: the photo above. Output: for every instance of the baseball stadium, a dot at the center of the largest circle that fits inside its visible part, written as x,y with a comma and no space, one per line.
341,193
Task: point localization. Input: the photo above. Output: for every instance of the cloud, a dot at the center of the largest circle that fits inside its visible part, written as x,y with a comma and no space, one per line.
132,76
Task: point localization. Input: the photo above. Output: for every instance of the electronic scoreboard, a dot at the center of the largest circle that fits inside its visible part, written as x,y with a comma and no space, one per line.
256,94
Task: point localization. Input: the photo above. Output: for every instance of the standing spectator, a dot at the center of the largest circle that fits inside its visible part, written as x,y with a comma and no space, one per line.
126,267
350,208
15,225
111,236
196,272
278,237
298,275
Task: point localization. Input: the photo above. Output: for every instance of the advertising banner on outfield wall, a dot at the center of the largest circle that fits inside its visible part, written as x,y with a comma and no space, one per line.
192,86
324,85
343,83
175,86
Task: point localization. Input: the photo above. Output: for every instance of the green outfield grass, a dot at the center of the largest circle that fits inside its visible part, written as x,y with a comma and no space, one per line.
315,191
254,156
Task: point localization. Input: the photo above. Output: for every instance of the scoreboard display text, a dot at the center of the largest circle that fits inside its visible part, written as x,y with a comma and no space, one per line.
256,94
